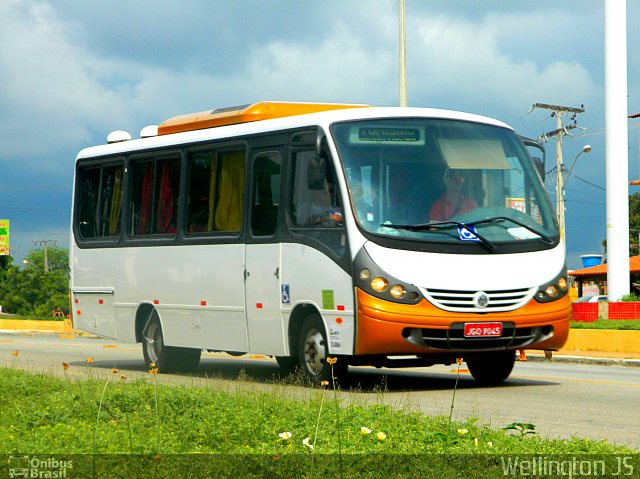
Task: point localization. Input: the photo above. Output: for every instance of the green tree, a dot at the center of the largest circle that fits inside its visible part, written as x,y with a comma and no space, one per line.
5,263
634,224
32,291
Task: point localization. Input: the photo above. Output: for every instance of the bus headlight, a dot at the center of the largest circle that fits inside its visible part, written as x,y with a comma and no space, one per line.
397,291
379,284
365,273
373,280
562,283
553,290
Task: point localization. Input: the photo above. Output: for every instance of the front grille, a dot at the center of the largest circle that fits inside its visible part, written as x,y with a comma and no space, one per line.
466,301
453,339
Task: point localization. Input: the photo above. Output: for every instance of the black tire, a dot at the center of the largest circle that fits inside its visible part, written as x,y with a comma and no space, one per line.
288,364
313,352
492,368
168,359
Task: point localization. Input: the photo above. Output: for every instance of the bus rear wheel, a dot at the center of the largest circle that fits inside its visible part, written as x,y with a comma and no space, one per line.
492,368
168,359
313,353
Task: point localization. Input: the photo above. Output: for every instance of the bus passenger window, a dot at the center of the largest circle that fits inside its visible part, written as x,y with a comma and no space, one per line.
100,201
155,189
216,191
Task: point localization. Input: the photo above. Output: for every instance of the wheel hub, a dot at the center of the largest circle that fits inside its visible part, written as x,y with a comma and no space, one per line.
314,351
153,339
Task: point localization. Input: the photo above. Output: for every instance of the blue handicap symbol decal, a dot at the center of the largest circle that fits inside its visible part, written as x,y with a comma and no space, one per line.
467,233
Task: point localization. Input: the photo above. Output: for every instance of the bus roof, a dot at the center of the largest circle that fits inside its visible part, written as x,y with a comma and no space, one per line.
323,117
245,113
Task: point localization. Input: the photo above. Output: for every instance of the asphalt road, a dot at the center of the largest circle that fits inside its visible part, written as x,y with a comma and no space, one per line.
561,399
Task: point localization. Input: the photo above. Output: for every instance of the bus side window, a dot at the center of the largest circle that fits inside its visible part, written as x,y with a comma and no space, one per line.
216,191
155,188
266,194
100,201
315,204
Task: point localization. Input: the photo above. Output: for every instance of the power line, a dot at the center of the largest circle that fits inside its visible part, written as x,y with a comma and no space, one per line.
589,183
43,210
39,233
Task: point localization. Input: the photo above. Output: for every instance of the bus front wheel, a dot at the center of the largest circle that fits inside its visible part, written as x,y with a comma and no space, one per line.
492,368
313,353
168,359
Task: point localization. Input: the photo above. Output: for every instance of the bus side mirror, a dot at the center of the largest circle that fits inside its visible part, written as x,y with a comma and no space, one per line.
321,142
538,163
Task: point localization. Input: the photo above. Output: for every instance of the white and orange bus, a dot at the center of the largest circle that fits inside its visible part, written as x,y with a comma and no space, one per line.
306,230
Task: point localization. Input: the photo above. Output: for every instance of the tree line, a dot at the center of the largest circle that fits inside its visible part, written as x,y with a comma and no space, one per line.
29,290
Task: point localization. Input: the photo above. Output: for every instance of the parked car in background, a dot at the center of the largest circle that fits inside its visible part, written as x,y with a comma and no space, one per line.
592,299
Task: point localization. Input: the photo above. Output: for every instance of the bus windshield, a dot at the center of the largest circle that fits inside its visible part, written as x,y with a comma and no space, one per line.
440,180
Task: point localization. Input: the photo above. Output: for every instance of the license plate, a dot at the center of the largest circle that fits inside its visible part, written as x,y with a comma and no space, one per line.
482,330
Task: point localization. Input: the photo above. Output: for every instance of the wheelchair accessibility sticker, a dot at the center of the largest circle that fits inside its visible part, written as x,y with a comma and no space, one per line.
284,293
467,233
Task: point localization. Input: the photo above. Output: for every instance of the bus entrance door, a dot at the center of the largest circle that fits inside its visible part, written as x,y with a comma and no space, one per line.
264,321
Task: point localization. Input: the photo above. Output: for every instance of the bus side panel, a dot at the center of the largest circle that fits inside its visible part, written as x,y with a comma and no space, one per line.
198,291
310,277
93,311
92,296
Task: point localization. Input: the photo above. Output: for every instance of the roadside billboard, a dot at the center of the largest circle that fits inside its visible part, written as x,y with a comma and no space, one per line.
4,237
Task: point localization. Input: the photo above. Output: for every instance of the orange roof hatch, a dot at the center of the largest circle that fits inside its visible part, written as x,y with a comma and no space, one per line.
245,113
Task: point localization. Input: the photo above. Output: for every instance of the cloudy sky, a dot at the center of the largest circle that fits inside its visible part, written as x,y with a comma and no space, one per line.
71,71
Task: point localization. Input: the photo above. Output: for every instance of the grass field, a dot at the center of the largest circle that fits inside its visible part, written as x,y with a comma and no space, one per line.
617,324
117,424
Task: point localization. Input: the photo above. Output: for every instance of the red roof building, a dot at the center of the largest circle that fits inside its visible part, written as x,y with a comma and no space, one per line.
598,273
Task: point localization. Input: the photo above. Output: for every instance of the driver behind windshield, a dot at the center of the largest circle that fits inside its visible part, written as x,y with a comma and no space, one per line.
452,202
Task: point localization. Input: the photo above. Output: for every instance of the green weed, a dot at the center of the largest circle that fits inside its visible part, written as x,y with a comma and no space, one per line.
261,431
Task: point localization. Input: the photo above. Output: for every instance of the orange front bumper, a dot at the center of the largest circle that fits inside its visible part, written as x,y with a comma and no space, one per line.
380,323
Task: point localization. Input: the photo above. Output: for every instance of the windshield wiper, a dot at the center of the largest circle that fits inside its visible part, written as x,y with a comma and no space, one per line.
444,225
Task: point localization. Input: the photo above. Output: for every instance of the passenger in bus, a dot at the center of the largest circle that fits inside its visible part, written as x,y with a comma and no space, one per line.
452,202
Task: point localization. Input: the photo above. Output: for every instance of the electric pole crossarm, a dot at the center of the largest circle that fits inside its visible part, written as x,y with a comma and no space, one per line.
567,109
564,130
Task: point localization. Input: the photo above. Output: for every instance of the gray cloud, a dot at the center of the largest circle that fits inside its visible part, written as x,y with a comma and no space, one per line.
70,72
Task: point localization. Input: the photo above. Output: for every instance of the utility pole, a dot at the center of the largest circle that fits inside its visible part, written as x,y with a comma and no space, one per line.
559,111
636,182
616,147
403,56
46,258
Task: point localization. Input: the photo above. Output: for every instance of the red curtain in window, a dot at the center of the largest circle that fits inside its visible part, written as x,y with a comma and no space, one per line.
145,200
165,201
